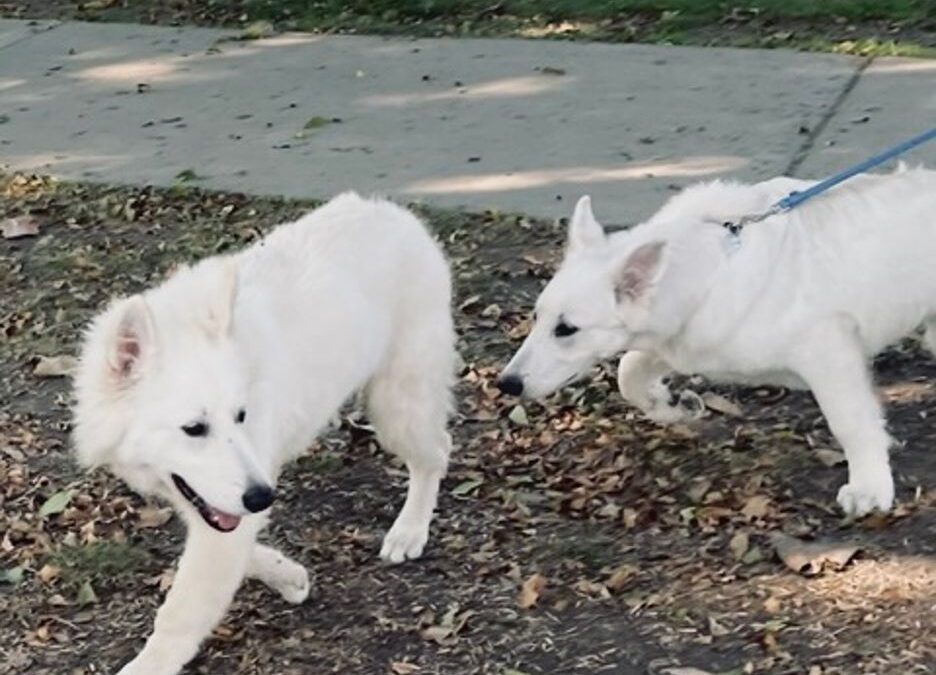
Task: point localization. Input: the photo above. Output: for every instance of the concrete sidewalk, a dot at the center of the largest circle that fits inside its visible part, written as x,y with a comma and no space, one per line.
508,124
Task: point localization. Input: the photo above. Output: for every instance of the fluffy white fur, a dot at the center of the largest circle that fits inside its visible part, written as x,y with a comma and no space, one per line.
262,348
804,301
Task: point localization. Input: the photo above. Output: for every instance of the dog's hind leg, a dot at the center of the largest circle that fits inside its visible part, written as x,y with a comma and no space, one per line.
409,401
640,380
831,361
211,569
285,576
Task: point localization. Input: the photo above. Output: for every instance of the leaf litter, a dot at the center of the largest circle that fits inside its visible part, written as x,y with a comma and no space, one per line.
652,539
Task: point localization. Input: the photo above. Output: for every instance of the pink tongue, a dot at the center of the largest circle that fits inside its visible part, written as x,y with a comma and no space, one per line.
224,520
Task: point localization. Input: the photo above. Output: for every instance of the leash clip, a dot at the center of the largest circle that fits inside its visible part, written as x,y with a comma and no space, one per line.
736,227
733,242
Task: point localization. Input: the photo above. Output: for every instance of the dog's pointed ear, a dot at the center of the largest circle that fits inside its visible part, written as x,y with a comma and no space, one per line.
640,271
221,317
584,230
133,340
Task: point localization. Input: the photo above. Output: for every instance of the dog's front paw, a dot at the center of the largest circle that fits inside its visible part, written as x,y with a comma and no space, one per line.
668,408
405,541
290,580
860,497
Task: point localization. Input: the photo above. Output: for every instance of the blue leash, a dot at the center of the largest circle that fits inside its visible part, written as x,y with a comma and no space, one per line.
796,198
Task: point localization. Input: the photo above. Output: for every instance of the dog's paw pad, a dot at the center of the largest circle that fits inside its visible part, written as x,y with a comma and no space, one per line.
858,500
691,404
685,407
404,542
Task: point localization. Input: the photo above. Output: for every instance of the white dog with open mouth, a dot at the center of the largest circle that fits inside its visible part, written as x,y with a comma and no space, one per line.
802,299
202,388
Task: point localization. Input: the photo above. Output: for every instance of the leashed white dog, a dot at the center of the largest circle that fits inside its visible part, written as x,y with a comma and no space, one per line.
202,388
803,301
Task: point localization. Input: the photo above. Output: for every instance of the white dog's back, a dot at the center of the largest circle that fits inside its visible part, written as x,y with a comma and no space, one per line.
866,249
345,285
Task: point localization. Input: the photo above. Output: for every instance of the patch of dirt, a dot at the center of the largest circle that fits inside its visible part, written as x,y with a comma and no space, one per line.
652,543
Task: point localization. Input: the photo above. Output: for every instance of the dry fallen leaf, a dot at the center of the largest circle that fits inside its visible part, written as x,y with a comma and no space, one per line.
698,489
150,516
403,668
721,404
12,576
56,503
809,558
437,633
448,627
86,594
98,4
55,366
163,580
15,228
530,591
756,507
620,577
518,416
469,302
716,629
223,632
257,30
48,573
629,516
830,457
771,645
738,545
591,588
772,604
688,670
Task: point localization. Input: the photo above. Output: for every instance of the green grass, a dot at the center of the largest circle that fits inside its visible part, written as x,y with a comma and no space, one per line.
103,563
685,13
845,26
872,47
863,27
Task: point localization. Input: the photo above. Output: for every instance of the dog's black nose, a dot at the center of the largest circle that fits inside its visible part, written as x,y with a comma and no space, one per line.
257,498
511,385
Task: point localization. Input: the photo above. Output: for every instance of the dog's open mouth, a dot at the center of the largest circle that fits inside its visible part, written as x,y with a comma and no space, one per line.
219,520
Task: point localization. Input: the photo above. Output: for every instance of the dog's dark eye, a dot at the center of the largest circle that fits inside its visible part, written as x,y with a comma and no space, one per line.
195,429
564,329
240,416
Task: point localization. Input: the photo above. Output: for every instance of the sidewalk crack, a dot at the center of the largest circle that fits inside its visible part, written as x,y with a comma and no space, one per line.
31,34
810,141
